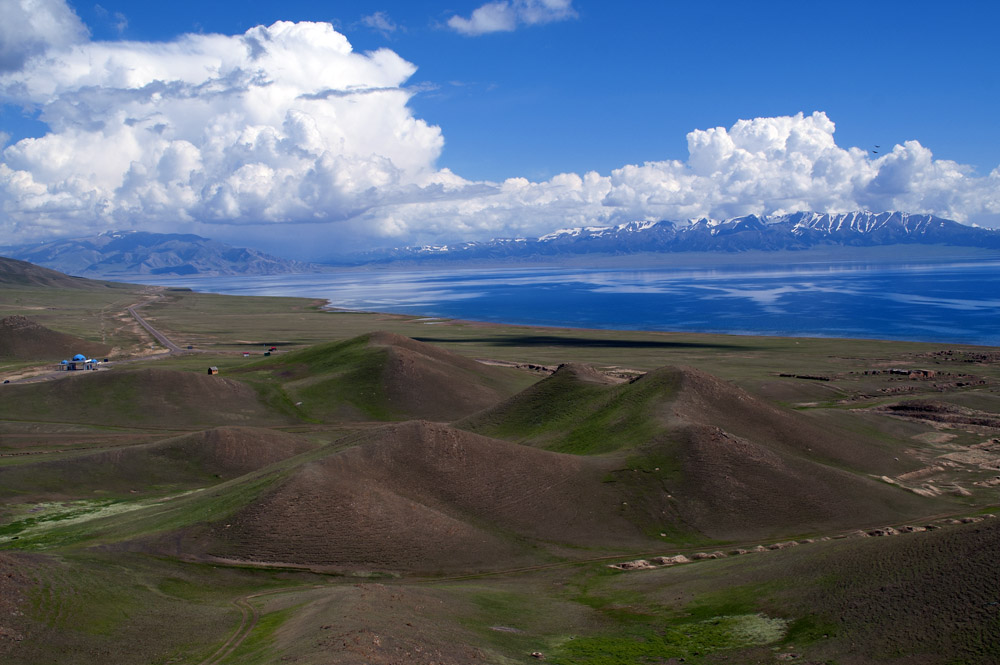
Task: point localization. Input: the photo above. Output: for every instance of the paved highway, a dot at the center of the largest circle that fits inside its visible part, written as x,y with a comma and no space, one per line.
160,337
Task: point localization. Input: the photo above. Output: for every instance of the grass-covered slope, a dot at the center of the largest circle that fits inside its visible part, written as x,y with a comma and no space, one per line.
139,398
23,339
189,461
383,376
14,273
578,410
722,462
927,597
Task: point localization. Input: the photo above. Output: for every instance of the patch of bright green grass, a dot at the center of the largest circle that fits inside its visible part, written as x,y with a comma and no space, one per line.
39,519
316,381
97,521
808,629
688,640
566,415
258,646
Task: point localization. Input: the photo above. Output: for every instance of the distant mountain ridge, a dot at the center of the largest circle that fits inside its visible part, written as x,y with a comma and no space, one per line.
132,253
138,253
795,231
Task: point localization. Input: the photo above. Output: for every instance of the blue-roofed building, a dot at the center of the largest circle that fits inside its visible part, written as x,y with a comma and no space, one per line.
74,364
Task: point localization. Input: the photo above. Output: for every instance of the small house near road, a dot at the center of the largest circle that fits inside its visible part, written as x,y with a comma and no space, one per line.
213,370
78,360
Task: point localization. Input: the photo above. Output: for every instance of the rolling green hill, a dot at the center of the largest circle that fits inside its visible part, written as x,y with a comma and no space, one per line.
140,398
383,376
722,462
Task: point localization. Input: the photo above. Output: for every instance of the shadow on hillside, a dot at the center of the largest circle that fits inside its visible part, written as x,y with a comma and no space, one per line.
579,342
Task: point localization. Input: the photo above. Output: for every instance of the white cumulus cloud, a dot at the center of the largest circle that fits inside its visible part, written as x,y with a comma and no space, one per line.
29,27
507,15
762,166
285,137
282,123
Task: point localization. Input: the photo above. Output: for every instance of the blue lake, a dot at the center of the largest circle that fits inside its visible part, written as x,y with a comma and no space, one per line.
945,302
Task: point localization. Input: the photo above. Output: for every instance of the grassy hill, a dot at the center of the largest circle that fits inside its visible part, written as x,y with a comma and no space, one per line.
14,273
580,411
23,339
91,314
383,376
722,462
140,398
179,463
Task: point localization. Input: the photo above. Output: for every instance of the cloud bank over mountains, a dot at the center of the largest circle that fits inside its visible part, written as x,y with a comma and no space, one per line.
286,131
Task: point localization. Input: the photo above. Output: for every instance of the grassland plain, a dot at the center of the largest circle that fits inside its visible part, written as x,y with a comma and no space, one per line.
141,523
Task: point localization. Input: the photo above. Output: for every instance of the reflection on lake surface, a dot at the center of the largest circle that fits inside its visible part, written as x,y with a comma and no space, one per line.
950,302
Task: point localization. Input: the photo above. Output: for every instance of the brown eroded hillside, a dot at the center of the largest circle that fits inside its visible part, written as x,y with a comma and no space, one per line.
719,461
733,488
22,273
23,339
704,399
193,460
426,497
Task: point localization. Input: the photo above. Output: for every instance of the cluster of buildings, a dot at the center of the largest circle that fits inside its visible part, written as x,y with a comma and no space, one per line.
80,361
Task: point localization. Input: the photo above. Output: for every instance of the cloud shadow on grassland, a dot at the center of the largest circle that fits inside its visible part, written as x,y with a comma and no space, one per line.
580,342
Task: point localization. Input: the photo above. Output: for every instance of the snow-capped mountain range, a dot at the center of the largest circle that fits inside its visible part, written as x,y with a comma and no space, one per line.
135,253
796,231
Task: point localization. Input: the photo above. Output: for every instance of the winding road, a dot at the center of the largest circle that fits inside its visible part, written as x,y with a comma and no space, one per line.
247,623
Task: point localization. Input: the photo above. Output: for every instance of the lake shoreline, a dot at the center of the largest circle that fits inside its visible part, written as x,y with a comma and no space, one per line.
940,301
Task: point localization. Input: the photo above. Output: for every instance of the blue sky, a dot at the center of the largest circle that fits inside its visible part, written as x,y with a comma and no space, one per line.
625,82
567,87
